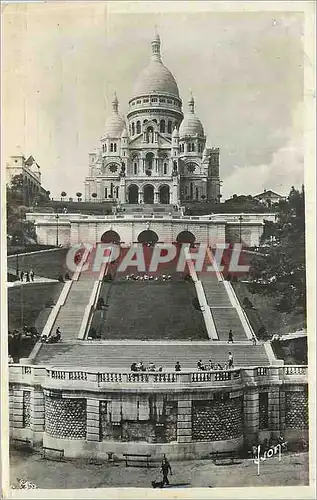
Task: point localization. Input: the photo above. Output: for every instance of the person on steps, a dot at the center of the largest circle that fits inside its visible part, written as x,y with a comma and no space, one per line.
230,337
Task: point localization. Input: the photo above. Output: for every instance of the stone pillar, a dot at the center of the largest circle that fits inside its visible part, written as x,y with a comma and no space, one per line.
122,190
87,191
156,197
37,411
17,413
140,196
100,195
274,410
92,433
184,421
251,416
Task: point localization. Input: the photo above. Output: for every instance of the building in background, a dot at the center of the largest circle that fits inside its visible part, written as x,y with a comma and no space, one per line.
269,197
30,172
158,154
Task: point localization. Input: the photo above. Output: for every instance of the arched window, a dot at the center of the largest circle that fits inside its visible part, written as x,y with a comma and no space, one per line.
193,146
106,192
138,127
197,194
189,147
144,122
115,148
111,147
169,127
162,126
165,168
133,129
117,191
105,146
135,168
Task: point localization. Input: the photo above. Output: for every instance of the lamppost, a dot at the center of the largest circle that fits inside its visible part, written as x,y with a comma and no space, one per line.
240,227
57,218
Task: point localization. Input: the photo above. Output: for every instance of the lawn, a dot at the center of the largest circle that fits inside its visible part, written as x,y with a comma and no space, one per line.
291,471
50,264
265,313
150,311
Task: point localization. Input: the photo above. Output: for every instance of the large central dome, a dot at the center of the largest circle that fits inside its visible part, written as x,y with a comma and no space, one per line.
156,77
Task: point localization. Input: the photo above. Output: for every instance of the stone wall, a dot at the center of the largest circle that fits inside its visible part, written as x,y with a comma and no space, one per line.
296,410
65,417
26,408
217,420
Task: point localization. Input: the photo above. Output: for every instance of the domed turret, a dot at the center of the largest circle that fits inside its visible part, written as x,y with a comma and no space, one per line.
156,77
115,123
191,125
175,133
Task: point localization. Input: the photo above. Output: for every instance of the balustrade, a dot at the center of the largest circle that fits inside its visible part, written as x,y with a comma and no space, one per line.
18,372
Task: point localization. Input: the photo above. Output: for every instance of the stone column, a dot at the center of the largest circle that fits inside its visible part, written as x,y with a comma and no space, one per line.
37,411
184,421
122,190
251,416
274,410
100,195
17,411
92,431
282,411
87,191
156,197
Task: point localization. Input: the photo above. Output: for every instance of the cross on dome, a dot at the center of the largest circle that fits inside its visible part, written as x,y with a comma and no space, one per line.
156,46
115,103
191,103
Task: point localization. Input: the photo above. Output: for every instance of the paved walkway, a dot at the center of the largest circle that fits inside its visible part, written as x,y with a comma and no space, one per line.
291,471
37,279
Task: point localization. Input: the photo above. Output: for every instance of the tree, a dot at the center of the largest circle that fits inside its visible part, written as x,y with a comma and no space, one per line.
282,272
63,194
79,195
94,196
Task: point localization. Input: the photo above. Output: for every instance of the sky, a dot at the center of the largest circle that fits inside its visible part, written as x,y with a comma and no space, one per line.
62,63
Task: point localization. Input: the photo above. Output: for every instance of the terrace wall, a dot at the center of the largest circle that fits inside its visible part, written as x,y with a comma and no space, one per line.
186,414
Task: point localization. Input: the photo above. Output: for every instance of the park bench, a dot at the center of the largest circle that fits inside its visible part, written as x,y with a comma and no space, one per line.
137,458
22,443
52,453
223,457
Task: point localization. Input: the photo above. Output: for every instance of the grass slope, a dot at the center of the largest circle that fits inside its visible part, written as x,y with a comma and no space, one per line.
150,311
47,264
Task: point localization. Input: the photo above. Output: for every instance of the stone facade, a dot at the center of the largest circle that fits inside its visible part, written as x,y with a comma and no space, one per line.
175,416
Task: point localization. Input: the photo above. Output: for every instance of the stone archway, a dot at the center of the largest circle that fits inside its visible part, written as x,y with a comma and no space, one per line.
133,194
111,237
164,194
185,237
148,194
148,236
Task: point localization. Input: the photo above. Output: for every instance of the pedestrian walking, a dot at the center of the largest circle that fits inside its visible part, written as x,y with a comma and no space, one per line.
27,277
21,275
31,274
165,468
230,337
230,360
178,366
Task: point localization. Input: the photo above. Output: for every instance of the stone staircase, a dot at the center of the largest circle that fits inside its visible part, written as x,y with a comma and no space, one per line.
71,314
119,356
225,316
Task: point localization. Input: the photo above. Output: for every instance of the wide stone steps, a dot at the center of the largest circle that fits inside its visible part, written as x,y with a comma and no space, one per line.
226,319
119,357
217,297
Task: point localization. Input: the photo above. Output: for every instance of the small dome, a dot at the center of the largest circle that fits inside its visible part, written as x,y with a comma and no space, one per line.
156,77
191,125
115,124
175,133
124,134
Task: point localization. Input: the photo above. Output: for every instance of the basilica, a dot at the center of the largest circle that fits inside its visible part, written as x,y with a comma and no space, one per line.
158,154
